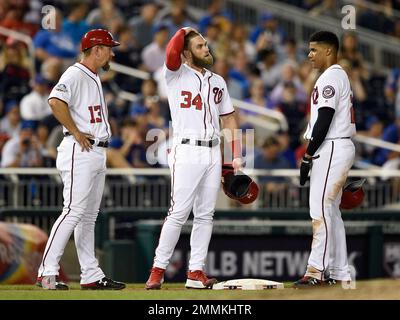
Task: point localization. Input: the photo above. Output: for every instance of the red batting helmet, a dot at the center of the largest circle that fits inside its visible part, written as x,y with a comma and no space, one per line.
353,195
97,37
238,186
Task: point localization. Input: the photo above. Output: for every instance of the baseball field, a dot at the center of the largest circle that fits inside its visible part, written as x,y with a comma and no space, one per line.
387,289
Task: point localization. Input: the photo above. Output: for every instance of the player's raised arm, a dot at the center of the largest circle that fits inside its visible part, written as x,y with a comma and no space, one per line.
175,49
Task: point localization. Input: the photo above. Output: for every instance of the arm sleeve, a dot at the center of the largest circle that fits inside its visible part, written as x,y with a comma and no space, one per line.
321,127
174,50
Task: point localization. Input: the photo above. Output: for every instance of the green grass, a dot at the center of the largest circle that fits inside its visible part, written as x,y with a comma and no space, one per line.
373,289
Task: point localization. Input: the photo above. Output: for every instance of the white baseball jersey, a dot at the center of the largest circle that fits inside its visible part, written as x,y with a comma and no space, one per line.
81,90
333,90
196,101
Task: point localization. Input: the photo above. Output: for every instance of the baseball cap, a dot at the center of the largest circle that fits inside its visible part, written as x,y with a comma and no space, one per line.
28,124
160,27
267,16
371,120
9,105
138,110
39,79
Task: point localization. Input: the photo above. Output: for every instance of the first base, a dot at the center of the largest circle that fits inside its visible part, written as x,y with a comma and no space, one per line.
248,284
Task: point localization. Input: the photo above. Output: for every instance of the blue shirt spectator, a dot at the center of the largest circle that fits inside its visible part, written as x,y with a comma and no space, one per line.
390,134
271,159
75,26
57,44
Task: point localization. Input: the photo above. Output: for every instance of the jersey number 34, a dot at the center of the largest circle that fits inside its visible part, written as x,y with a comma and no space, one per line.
188,102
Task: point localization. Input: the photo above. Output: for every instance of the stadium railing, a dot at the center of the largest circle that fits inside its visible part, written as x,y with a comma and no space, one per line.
150,188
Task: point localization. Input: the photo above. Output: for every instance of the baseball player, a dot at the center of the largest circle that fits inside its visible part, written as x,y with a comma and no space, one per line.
198,99
330,153
78,103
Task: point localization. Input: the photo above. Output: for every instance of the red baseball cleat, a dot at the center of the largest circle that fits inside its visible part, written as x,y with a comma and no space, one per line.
197,279
156,279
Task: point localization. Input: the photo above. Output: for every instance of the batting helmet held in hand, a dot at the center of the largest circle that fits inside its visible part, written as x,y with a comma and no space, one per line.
97,37
238,186
353,195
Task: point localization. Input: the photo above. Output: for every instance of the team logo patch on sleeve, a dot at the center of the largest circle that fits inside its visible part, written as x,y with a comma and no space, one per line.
61,87
328,92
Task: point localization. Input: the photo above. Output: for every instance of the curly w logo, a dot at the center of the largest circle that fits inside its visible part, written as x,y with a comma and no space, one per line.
218,93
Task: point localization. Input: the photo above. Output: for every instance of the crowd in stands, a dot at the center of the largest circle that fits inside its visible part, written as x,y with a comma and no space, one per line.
262,64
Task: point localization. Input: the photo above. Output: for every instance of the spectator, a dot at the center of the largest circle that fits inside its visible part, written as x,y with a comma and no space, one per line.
392,90
374,129
239,70
291,52
55,43
123,149
390,134
287,152
307,76
153,55
240,42
74,25
268,35
257,96
143,25
13,18
10,124
358,86
375,20
270,159
235,88
289,76
328,8
34,105
166,12
51,69
22,150
294,111
350,51
14,72
215,13
128,54
269,68
154,118
106,16
178,17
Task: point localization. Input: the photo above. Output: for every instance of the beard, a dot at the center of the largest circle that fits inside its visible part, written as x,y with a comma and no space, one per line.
106,66
205,62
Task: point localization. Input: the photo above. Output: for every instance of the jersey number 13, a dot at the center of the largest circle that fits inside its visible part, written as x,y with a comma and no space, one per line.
95,113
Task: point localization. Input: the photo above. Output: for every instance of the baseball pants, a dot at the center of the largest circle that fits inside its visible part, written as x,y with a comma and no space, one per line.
83,176
195,182
328,176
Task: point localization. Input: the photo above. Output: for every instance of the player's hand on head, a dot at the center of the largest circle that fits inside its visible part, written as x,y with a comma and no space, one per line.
189,29
83,140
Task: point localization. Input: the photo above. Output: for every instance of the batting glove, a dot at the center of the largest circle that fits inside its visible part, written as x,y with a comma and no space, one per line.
305,167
